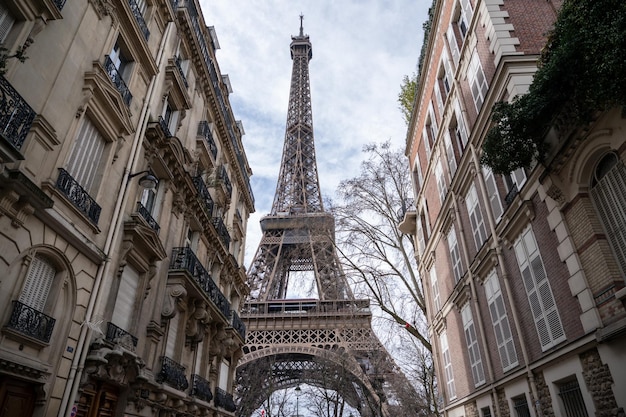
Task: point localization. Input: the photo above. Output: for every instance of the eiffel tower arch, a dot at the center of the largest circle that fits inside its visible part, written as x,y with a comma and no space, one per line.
325,341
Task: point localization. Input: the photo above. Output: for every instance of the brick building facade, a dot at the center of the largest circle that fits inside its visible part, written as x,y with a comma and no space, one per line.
524,274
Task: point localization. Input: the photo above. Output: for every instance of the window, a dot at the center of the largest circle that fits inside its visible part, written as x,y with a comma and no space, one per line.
500,321
6,23
460,132
172,337
86,157
447,365
520,405
540,298
492,191
124,309
435,289
478,373
447,75
608,193
450,154
438,98
441,181
38,283
464,18
485,412
455,255
572,399
417,176
477,81
170,117
421,230
426,141
120,59
476,217
224,371
454,46
514,182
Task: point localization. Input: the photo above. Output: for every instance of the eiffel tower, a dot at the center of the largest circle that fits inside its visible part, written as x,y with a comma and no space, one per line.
325,341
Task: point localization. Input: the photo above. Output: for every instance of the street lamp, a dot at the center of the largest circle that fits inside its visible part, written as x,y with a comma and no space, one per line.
298,393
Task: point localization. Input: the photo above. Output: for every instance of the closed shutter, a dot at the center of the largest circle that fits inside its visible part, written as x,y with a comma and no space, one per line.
460,123
476,217
6,23
224,370
38,283
454,46
441,182
450,153
439,98
500,321
172,336
84,162
455,254
126,298
478,372
435,289
447,364
492,191
426,142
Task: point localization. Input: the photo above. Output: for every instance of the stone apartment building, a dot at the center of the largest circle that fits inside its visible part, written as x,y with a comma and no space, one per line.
124,198
523,273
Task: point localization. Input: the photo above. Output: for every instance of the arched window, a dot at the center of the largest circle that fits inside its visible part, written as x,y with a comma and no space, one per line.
38,283
608,192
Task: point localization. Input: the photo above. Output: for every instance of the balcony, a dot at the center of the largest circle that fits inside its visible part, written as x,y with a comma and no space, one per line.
223,176
139,18
121,337
222,231
238,325
173,374
224,400
200,388
508,199
145,214
185,259
30,322
164,127
178,61
117,80
204,195
16,116
78,196
204,130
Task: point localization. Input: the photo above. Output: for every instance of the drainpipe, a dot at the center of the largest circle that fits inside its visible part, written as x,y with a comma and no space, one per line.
78,362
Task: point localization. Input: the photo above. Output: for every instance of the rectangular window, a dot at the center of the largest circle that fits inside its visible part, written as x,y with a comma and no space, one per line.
435,289
224,370
421,241
126,297
492,191
520,405
460,129
448,74
6,23
572,399
477,81
465,17
455,255
540,297
432,121
417,176
476,217
500,321
86,156
441,181
426,141
478,372
439,98
172,337
447,365
450,155
485,412
38,283
454,46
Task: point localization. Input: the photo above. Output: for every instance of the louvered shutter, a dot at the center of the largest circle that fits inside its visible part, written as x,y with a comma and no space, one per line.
172,336
441,182
478,372
86,155
450,153
435,289
224,369
426,142
126,298
500,321
38,283
421,242
454,46
6,23
439,98
476,217
492,191
460,124
449,74
455,254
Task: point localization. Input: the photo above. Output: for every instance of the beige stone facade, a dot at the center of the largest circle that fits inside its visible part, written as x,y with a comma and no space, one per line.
524,274
124,199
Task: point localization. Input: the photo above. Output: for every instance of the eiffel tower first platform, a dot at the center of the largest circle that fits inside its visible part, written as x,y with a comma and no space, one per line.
325,341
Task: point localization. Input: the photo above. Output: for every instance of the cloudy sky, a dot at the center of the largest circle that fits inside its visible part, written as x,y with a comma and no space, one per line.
361,51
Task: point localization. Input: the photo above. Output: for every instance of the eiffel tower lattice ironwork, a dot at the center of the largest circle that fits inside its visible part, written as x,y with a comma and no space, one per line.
325,341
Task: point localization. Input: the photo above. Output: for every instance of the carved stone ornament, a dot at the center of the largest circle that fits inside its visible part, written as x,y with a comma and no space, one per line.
173,295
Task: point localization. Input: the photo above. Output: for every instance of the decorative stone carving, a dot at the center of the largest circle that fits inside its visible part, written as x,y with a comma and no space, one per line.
174,294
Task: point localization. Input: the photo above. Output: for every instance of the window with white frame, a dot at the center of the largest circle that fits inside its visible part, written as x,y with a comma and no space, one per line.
477,81
540,297
170,117
500,321
435,289
492,192
124,309
85,161
450,154
417,176
455,254
441,181
476,218
464,17
432,122
38,282
460,131
224,374
438,97
453,44
426,141
608,193
476,363
6,23
447,365
448,74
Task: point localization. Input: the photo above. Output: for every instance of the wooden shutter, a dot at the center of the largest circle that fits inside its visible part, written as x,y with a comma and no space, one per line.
476,217
441,182
447,364
224,370
450,153
455,254
38,283
86,155
478,372
435,289
492,191
460,124
6,23
126,298
454,46
172,337
500,321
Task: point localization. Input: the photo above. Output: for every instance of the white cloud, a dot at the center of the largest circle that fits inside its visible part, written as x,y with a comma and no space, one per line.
361,51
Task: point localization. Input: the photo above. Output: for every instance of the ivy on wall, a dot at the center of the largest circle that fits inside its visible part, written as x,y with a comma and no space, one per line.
582,70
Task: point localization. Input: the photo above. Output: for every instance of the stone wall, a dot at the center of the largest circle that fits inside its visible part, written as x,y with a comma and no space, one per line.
599,383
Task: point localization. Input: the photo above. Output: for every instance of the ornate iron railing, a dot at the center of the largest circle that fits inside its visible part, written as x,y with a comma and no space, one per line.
117,80
200,388
120,336
164,127
224,400
143,212
30,322
238,325
204,130
223,175
204,195
139,18
222,230
178,61
59,4
16,116
78,196
511,194
173,374
184,258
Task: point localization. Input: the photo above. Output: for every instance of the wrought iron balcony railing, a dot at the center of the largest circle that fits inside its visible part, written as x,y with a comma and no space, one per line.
59,4
178,61
511,195
222,230
164,127
78,196
223,175
173,374
200,388
139,18
224,400
204,195
16,116
120,336
204,130
117,80
238,325
185,259
30,322
143,212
